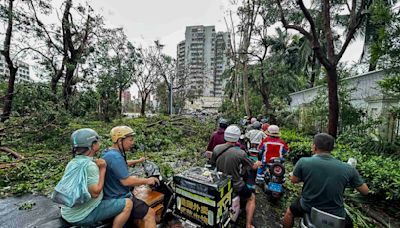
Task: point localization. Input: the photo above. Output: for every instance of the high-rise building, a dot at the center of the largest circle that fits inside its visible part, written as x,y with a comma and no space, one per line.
22,72
126,97
201,57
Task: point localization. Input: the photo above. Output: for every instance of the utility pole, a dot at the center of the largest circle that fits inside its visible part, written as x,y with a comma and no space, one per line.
170,95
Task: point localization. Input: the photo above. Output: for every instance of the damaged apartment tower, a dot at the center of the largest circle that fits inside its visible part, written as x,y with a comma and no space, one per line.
202,59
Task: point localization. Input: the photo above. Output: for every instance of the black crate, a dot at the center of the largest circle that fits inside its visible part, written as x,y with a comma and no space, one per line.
203,197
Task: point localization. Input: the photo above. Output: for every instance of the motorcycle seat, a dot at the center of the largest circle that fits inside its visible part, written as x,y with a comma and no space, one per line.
150,197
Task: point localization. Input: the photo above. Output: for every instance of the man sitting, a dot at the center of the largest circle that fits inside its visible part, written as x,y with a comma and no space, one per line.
230,159
325,179
118,181
270,147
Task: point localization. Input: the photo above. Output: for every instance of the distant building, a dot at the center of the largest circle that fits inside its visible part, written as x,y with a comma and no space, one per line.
202,58
22,72
126,97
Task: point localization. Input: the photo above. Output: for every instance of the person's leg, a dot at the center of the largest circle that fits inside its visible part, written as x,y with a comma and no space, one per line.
107,209
288,219
122,218
295,210
247,195
141,214
250,208
149,220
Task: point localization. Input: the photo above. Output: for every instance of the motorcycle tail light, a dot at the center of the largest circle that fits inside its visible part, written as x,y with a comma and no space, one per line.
277,170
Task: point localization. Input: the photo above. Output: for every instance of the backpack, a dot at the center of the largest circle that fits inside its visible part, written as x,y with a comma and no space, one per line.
72,189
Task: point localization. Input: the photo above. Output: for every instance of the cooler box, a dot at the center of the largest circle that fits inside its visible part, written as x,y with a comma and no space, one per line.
203,196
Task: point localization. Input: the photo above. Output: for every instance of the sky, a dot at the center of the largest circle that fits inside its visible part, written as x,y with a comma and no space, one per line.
147,20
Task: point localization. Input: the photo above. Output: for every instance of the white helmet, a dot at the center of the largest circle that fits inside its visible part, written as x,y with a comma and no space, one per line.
232,133
273,130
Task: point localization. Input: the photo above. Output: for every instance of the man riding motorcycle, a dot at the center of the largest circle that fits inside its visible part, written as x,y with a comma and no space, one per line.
230,159
217,137
256,135
270,147
325,179
118,181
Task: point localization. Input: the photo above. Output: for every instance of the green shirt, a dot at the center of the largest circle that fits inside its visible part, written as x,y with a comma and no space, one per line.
325,179
81,211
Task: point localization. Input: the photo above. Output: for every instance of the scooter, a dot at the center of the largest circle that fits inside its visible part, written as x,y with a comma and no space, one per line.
274,178
321,219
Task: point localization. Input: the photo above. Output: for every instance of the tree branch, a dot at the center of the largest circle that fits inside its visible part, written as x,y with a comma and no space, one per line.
354,24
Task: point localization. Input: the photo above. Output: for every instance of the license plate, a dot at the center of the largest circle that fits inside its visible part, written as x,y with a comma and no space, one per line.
275,187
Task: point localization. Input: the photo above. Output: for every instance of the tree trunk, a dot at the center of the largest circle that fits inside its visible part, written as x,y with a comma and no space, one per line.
143,105
8,98
10,94
246,89
265,97
67,87
313,70
56,78
372,64
333,100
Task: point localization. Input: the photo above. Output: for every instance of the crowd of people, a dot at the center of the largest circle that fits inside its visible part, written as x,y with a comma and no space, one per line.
324,177
110,185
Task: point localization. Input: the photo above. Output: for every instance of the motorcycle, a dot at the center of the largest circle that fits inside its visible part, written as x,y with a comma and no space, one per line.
318,218
274,178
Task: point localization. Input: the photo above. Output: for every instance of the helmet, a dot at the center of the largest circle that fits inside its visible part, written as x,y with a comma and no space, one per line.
265,126
257,125
120,132
84,137
223,123
232,133
253,120
264,120
273,130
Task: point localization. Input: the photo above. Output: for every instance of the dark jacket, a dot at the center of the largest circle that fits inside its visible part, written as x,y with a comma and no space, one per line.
217,138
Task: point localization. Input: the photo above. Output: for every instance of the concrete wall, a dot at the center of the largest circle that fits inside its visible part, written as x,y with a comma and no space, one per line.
366,91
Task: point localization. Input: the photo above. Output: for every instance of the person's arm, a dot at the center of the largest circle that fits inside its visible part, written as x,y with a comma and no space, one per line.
95,189
296,176
247,162
357,182
294,179
212,160
256,165
363,189
135,181
211,143
134,162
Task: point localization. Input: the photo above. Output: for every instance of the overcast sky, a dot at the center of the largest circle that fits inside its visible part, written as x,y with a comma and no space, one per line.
147,20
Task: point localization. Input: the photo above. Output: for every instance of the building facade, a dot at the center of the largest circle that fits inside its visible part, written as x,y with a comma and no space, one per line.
201,58
22,73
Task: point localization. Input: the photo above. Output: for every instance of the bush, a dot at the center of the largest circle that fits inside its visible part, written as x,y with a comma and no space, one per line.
381,173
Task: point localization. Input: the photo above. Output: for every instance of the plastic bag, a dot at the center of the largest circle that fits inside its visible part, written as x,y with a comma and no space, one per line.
72,188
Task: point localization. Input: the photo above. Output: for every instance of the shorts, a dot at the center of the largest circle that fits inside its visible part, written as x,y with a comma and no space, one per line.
245,193
298,211
139,210
107,209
